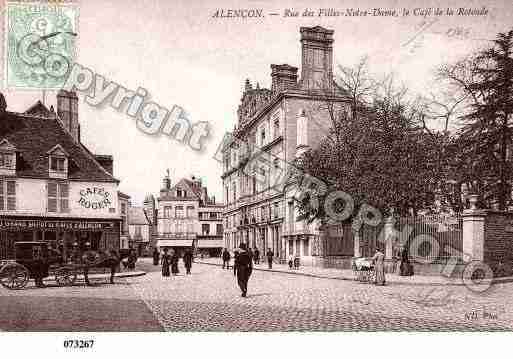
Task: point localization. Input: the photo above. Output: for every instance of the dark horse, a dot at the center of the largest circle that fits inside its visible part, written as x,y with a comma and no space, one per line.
92,259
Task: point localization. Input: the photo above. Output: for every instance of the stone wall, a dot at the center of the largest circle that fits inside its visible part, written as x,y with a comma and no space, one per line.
498,243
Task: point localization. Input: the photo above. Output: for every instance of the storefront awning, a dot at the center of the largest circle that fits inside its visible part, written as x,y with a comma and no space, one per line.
210,243
174,243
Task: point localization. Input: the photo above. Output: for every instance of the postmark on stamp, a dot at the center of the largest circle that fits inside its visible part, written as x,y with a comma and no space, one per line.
39,44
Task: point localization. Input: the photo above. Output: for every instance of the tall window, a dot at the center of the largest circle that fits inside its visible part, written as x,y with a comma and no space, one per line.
179,212
219,229
205,229
58,197
213,215
167,211
276,128
179,193
262,137
190,211
276,210
123,208
7,195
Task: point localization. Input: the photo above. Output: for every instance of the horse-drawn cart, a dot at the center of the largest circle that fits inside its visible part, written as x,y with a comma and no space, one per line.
35,260
363,269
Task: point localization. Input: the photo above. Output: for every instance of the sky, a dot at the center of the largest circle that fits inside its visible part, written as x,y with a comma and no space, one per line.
184,56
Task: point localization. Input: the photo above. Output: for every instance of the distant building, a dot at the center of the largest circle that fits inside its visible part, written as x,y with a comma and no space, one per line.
124,203
274,128
139,228
188,217
52,188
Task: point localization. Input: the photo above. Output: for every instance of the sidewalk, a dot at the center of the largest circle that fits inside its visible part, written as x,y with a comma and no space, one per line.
347,274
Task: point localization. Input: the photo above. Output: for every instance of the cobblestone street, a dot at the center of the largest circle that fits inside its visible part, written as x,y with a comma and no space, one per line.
209,300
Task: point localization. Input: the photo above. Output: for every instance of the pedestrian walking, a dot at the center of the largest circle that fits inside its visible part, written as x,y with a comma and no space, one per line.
187,261
405,267
270,256
156,257
291,261
256,253
235,257
113,262
132,259
226,258
379,267
166,262
174,263
244,268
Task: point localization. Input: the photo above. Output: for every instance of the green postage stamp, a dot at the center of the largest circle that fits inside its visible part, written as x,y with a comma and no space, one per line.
40,42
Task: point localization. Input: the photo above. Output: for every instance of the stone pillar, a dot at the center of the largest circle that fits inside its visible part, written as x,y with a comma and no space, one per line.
356,240
389,244
473,234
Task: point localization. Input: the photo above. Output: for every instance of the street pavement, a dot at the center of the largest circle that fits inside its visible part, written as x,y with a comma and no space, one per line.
209,300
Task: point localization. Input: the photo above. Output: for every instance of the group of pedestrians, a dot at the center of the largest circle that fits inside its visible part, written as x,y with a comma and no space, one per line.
169,262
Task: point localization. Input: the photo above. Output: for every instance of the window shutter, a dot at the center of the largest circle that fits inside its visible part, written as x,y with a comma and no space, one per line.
52,197
11,195
2,205
64,194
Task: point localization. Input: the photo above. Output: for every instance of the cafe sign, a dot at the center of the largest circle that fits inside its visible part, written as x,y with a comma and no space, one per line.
44,224
95,198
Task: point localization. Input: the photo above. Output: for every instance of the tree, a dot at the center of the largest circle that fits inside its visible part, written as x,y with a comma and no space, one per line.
484,83
376,152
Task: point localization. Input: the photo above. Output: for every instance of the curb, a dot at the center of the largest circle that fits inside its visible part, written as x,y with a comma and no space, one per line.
497,281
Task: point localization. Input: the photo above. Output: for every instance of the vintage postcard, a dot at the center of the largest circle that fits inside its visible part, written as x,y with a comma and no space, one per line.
255,166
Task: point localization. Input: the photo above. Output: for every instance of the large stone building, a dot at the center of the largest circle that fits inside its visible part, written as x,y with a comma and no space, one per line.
52,188
274,127
188,217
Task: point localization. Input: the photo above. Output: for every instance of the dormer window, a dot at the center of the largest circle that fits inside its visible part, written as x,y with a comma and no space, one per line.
58,162
7,158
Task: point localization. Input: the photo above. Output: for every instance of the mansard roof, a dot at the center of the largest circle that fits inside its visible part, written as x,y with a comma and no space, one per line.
34,136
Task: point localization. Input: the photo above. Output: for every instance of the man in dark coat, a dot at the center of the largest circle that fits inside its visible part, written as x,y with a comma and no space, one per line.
226,259
235,256
270,256
156,257
256,253
244,268
187,261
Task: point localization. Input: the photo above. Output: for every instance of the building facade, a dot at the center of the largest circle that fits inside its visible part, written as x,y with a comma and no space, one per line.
52,188
139,229
188,218
124,204
274,128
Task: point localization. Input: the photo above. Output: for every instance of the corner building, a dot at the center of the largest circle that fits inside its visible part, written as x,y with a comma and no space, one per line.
275,127
52,188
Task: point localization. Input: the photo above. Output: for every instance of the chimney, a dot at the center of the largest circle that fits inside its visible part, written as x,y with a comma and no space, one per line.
316,58
284,77
67,109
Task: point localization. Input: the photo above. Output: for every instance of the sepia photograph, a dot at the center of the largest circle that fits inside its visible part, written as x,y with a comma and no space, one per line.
226,167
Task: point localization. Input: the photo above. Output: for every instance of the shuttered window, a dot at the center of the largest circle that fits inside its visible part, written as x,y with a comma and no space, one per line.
7,195
58,197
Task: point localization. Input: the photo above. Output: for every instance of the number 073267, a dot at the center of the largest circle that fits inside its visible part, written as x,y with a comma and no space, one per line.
78,344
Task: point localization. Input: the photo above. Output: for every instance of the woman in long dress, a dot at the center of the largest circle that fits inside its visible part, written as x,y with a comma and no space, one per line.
174,263
166,262
406,267
379,267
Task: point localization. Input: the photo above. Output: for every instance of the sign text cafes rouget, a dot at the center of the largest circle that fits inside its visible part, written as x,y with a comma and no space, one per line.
94,198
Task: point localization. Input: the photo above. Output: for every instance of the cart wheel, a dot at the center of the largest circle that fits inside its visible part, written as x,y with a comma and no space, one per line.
14,276
65,276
